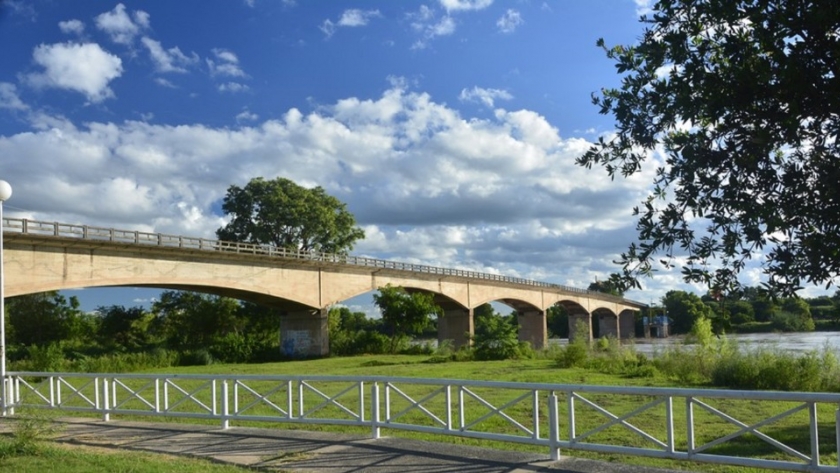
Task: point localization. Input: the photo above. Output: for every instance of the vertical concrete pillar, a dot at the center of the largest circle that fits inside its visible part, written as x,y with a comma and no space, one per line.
627,324
457,326
305,333
585,319
607,326
533,328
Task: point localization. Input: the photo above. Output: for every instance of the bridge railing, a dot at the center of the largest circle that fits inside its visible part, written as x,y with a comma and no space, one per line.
714,426
86,232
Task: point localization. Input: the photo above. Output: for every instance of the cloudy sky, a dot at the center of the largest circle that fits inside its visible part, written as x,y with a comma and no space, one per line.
449,127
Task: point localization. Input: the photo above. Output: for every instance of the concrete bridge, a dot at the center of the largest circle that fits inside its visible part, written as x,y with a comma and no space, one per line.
46,256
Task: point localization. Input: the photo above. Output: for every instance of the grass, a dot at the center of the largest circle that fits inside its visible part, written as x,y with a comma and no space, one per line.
791,430
63,458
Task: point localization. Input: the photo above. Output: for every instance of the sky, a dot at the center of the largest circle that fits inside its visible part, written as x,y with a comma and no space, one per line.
450,128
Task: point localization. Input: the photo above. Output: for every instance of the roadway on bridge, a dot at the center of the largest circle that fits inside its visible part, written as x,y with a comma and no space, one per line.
303,451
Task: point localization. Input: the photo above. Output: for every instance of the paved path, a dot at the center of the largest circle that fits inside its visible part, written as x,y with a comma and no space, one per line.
301,451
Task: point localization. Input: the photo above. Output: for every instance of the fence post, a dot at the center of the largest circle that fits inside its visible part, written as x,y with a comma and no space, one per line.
225,410
669,420
553,426
374,410
106,415
689,424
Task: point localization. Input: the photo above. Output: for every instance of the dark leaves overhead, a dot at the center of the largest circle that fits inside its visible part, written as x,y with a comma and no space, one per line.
743,98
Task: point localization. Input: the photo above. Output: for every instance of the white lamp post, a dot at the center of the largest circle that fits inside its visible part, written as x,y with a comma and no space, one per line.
5,193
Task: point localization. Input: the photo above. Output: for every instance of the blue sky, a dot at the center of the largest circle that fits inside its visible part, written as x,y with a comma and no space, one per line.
449,127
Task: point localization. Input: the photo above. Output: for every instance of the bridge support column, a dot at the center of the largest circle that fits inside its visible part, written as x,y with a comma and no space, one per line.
580,325
607,326
456,326
627,324
533,328
305,333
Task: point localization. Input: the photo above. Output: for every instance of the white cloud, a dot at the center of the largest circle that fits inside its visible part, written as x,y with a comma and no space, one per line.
350,18
122,27
465,5
227,64
510,21
164,83
168,60
426,23
233,87
356,17
247,116
643,7
71,27
484,96
499,194
9,98
84,68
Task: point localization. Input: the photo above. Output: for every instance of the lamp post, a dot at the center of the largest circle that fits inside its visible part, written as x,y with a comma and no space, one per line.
5,193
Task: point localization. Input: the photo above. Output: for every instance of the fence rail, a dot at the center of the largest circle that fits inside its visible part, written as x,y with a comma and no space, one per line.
85,232
650,422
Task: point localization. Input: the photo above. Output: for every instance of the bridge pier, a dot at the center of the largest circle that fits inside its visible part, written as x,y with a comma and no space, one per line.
627,324
608,326
305,333
533,328
456,325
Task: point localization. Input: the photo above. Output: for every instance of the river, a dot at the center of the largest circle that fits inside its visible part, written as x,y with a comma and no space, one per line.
793,341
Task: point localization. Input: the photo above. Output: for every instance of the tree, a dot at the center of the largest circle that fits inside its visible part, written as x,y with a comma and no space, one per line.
43,318
404,313
743,99
684,309
281,213
610,286
124,328
194,321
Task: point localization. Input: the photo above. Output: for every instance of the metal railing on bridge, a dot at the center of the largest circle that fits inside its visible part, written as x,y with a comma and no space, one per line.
86,232
782,429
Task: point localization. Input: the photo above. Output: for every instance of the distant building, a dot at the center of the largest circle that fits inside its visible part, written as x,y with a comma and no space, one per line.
657,326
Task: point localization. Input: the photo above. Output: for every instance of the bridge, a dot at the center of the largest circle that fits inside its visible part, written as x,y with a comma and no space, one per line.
45,256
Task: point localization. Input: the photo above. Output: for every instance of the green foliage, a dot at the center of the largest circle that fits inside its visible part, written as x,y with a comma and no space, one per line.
44,318
404,313
773,369
124,328
285,215
498,340
784,321
557,320
611,286
684,308
701,333
200,357
757,164
28,435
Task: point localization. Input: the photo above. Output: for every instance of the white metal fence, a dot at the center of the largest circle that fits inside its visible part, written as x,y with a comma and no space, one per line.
717,426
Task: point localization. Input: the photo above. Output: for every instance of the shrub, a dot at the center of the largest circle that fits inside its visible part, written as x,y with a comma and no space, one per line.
200,357
573,355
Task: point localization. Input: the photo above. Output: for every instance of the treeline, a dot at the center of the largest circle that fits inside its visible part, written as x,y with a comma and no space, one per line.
49,332
749,311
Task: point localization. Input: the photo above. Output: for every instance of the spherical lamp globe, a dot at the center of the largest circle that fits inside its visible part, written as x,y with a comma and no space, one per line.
5,191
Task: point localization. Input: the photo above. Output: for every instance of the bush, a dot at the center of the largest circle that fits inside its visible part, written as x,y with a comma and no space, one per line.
200,357
789,322
499,341
232,347
573,355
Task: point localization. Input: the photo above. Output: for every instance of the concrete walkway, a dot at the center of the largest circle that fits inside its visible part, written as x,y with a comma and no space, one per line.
302,451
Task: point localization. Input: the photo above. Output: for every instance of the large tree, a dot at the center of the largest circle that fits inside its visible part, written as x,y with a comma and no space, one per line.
281,213
742,100
404,313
